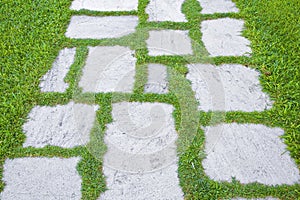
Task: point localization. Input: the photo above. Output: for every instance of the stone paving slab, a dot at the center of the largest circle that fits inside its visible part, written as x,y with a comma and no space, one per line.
157,79
228,87
250,153
217,6
65,126
165,10
105,5
108,69
169,42
53,80
222,37
91,27
41,178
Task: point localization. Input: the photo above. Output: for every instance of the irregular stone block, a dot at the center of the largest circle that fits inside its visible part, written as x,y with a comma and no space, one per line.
157,79
53,80
250,153
65,126
217,6
228,87
41,178
165,10
91,27
108,69
105,5
222,37
169,42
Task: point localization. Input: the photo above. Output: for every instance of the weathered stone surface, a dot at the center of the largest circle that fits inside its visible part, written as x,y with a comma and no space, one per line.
41,178
90,27
217,6
165,10
141,160
53,80
105,5
222,37
169,42
157,79
63,125
228,87
250,153
108,69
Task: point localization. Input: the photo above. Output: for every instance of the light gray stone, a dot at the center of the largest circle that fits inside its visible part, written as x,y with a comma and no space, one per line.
157,79
268,198
250,153
105,5
217,6
169,42
41,178
108,69
228,87
63,125
53,80
222,37
165,10
91,27
141,159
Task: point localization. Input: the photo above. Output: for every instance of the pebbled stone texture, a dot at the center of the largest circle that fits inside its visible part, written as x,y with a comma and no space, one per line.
169,42
141,159
41,178
90,27
250,153
157,79
165,10
53,80
222,37
228,87
105,5
65,126
109,69
217,6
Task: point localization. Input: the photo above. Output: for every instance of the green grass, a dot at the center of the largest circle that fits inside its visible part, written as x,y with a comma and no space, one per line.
32,34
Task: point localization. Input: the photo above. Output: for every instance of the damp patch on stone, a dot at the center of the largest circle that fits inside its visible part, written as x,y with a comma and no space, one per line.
250,153
65,126
165,10
217,6
141,152
108,69
41,178
228,87
91,27
222,37
53,80
105,5
169,42
157,79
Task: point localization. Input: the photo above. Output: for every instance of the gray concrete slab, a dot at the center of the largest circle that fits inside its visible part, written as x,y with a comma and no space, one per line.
53,80
169,42
91,27
217,6
222,37
63,125
41,178
250,153
228,87
157,79
165,10
108,69
105,5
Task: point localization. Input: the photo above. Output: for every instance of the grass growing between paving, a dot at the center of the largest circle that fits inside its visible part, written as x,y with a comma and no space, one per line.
32,34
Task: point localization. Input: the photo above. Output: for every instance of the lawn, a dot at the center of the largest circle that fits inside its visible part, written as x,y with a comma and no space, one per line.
32,34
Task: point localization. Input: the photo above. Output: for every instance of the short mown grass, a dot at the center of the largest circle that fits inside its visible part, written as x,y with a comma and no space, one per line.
32,34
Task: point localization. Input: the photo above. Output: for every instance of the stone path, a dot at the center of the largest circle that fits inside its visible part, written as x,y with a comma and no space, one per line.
141,158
